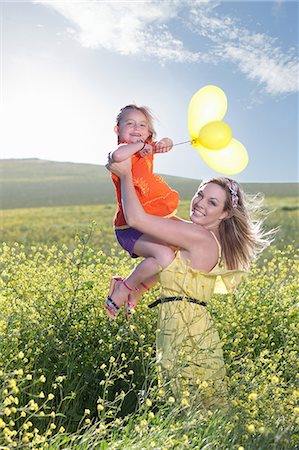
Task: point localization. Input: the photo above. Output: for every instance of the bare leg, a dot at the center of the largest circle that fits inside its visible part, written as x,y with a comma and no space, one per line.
157,256
145,285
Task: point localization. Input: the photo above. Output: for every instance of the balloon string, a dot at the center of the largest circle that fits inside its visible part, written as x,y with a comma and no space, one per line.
180,143
192,142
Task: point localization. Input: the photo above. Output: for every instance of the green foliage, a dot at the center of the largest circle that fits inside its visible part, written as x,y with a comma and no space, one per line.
31,183
37,183
59,225
73,379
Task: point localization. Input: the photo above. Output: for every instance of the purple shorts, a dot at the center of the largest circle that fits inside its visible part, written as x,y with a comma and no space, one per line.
127,238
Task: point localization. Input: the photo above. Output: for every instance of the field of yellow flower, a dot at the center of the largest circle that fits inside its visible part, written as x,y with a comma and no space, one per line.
72,379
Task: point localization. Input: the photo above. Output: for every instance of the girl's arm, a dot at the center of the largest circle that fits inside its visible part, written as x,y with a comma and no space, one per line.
164,145
178,233
125,151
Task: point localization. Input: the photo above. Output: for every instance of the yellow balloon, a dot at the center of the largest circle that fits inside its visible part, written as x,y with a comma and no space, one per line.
215,135
207,105
230,160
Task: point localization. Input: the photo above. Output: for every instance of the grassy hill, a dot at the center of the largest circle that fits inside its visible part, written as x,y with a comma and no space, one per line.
28,183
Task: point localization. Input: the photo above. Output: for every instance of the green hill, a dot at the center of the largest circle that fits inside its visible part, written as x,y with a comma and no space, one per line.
33,182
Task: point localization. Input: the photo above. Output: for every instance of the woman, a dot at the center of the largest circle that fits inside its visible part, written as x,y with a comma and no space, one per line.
215,250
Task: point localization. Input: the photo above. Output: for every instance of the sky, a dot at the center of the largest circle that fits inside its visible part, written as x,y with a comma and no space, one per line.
67,67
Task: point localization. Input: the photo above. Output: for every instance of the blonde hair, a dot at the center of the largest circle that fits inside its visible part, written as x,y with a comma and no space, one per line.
242,236
145,111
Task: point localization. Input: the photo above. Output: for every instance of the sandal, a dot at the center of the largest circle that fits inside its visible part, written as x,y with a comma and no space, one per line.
129,307
111,307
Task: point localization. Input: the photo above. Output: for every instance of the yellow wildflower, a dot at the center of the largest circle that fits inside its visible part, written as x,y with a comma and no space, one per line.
185,402
251,428
148,402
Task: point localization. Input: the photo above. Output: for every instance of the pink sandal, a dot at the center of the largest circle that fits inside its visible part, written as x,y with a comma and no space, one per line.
112,308
129,306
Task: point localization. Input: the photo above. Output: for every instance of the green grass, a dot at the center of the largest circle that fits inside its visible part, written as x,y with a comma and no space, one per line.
33,183
60,224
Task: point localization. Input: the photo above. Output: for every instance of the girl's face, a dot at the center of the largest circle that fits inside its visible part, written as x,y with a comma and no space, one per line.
207,206
133,127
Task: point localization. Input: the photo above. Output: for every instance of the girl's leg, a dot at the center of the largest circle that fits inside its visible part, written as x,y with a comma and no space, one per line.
157,256
144,286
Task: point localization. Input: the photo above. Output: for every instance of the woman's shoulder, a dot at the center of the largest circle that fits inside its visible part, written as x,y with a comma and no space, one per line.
202,249
194,235
201,234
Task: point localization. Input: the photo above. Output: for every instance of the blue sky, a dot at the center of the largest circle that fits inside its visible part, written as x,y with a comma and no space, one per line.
67,67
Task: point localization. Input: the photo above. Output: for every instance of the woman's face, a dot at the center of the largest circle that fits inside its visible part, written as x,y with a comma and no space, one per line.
133,127
207,206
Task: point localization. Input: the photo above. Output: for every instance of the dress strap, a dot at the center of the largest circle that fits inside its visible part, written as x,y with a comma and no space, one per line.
218,245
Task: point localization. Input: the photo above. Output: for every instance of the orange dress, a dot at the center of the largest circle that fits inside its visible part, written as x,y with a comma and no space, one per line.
154,194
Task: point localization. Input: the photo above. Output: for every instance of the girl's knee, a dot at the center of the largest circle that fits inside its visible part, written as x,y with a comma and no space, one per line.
165,256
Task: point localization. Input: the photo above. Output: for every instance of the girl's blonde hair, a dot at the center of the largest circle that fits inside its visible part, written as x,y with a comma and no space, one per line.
145,111
242,236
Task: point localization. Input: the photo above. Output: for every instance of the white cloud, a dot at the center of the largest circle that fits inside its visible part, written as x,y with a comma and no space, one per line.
143,28
255,54
278,73
128,28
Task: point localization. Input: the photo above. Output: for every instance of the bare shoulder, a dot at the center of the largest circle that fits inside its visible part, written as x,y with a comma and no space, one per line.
197,235
204,253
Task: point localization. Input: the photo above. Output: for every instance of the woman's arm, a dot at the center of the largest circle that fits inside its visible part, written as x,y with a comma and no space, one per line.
178,233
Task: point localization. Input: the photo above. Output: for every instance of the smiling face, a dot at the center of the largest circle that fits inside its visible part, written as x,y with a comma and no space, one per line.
133,127
207,206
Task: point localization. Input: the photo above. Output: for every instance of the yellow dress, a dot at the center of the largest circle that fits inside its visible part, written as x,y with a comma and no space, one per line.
188,346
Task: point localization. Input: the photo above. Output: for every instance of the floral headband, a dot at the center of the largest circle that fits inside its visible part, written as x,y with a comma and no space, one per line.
233,187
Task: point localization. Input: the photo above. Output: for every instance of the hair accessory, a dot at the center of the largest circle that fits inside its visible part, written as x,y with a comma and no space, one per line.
233,187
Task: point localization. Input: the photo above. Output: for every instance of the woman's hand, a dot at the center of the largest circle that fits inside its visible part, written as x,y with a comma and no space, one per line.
119,168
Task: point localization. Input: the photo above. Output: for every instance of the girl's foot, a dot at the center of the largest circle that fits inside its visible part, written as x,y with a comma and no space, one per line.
133,299
117,296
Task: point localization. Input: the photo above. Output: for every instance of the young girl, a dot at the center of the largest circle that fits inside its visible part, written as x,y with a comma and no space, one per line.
135,131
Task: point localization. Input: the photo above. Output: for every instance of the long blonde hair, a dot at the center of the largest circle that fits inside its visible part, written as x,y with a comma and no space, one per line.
145,111
242,236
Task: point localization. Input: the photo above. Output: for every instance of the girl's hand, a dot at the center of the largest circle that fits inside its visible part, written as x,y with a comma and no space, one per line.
164,145
119,168
147,150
